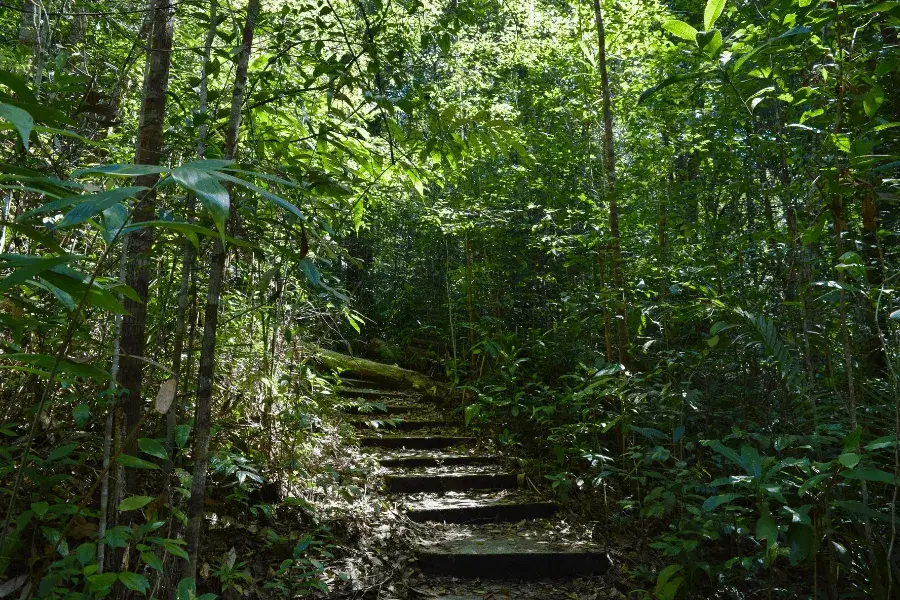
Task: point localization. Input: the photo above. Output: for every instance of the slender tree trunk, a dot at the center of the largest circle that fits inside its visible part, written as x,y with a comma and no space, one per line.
471,307
208,347
622,302
149,151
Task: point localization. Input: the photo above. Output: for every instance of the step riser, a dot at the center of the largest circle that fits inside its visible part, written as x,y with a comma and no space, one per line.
391,410
401,425
426,461
399,484
514,566
504,513
415,443
353,393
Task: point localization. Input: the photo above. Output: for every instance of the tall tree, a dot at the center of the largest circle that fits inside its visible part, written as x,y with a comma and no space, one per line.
139,243
609,146
206,376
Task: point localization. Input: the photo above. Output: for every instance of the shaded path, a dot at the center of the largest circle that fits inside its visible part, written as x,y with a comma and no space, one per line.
482,523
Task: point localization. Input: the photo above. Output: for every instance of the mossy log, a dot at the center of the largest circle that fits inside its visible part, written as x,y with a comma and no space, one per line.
389,375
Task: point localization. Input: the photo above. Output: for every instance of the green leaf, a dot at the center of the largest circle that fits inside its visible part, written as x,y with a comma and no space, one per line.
849,459
873,100
81,413
712,12
766,528
40,509
861,509
182,432
96,203
174,549
713,502
122,170
118,536
86,553
724,451
209,191
134,582
311,271
152,561
681,29
61,452
869,475
35,265
279,201
671,81
132,461
812,482
134,503
20,119
153,448
710,42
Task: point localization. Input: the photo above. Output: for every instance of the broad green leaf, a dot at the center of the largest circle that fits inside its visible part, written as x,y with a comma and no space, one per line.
861,509
812,482
86,553
20,119
32,268
122,170
134,582
114,219
40,509
724,451
681,29
311,271
153,448
152,561
713,502
97,203
208,190
870,475
173,548
61,452
134,503
873,100
712,12
81,413
132,461
672,81
766,528
182,432
710,42
849,459
279,201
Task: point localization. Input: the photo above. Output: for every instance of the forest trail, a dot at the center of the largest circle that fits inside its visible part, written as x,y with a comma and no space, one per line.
490,533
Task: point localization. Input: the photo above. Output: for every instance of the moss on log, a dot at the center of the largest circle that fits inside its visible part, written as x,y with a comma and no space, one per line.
391,375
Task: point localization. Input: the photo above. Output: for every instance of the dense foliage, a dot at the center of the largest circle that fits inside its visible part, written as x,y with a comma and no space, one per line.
664,271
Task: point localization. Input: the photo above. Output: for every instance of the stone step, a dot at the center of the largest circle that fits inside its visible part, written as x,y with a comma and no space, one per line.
480,509
418,443
450,482
354,392
494,556
437,460
389,409
399,425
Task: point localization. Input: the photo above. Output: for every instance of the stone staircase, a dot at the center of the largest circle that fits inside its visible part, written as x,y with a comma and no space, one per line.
483,523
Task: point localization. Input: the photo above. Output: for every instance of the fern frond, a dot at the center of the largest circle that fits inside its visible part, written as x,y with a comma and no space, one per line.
777,347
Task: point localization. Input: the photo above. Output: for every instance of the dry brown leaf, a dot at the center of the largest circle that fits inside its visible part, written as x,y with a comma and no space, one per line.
166,396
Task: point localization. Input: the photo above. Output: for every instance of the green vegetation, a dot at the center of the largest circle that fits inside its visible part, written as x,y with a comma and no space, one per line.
653,245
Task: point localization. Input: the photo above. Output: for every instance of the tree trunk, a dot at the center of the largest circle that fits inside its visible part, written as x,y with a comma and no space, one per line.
149,152
206,374
622,318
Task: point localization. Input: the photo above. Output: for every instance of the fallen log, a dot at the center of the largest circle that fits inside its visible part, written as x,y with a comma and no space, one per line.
389,375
